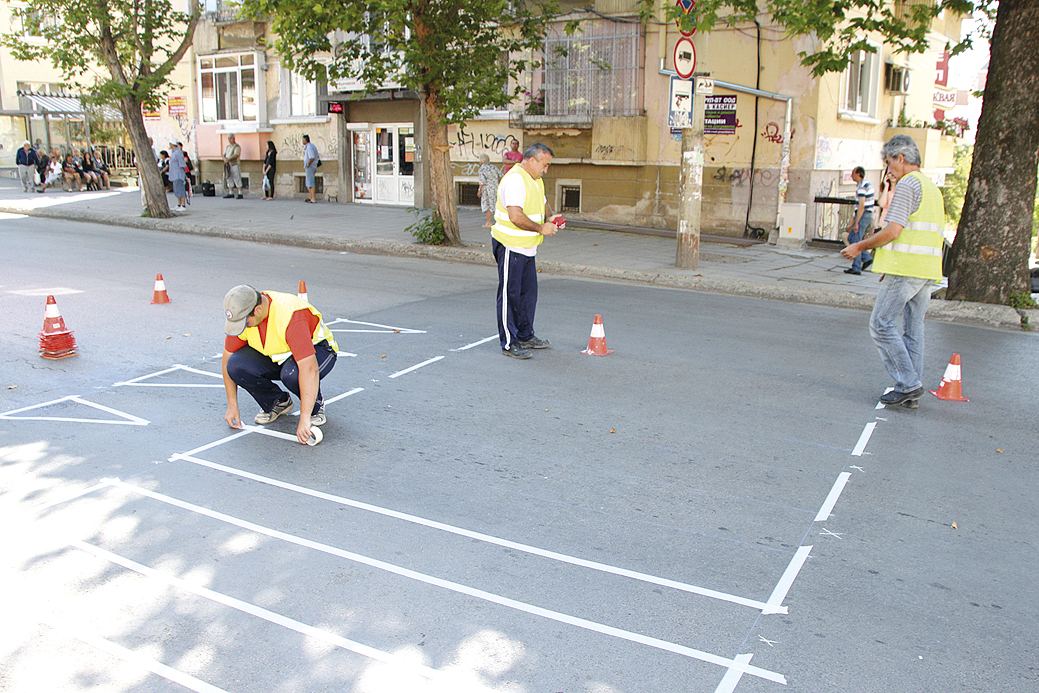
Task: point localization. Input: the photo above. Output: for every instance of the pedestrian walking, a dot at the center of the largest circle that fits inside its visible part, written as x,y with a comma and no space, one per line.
275,336
522,219
270,167
513,156
178,176
862,223
232,168
488,191
27,161
310,163
909,256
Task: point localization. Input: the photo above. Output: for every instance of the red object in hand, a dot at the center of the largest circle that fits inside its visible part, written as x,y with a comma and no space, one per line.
559,222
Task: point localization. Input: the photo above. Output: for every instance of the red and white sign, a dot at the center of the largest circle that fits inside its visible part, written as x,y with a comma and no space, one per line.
685,58
686,6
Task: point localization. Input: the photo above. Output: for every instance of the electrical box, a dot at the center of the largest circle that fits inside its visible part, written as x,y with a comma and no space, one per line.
792,221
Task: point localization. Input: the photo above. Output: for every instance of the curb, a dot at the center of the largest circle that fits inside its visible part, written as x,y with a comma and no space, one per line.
983,314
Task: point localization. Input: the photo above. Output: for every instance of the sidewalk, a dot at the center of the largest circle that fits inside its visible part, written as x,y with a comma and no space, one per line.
761,271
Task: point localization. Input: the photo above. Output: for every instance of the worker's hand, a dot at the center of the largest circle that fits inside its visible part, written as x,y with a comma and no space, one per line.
233,418
549,229
303,429
853,250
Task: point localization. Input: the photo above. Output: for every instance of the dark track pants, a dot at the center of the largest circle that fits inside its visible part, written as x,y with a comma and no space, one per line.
517,294
256,373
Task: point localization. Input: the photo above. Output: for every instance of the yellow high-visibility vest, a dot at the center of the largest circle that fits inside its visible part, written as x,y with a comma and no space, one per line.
281,309
917,252
507,233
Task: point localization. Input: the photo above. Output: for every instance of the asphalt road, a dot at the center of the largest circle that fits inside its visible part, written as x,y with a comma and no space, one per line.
716,506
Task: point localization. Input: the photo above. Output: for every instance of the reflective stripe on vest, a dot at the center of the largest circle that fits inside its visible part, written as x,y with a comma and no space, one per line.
281,309
917,252
507,233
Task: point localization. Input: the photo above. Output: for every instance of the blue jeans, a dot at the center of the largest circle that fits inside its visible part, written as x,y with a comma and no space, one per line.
901,347
256,373
865,223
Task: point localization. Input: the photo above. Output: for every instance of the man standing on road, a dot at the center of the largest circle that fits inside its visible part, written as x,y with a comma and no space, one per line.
909,256
27,160
310,162
521,221
862,224
232,168
276,336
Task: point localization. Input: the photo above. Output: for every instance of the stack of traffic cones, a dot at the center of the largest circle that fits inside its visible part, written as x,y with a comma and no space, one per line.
597,341
303,291
951,387
56,340
160,295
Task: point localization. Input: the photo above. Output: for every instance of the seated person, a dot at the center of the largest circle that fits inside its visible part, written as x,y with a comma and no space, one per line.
101,170
86,165
53,175
72,172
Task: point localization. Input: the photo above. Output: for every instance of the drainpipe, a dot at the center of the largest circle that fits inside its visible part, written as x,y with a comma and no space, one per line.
784,166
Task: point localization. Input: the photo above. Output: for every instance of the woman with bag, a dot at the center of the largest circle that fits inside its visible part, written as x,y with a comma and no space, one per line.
270,167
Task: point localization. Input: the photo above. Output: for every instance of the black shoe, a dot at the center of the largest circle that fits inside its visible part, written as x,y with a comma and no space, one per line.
866,264
239,197
896,397
228,196
533,343
852,271
516,352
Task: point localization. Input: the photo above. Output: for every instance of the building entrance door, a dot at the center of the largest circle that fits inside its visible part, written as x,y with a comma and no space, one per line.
394,158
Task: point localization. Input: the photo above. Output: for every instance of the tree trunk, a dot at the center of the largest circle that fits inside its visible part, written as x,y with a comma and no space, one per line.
990,254
441,180
148,176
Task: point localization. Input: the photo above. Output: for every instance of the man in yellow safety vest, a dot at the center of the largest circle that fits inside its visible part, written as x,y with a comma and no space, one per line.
275,336
521,221
909,256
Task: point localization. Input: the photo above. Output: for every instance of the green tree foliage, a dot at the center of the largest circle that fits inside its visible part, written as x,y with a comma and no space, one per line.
956,184
117,52
457,54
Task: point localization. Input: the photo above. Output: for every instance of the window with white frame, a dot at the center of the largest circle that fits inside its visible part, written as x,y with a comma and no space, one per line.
228,85
302,95
861,83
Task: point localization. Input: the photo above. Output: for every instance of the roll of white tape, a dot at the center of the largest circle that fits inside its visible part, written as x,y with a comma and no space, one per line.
315,436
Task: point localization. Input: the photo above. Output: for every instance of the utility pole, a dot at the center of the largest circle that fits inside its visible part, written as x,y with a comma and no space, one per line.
687,256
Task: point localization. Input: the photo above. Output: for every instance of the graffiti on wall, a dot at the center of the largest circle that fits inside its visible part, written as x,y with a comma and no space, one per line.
741,176
470,145
292,146
773,133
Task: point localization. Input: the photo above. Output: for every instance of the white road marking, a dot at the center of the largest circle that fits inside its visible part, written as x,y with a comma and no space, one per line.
476,344
497,541
831,500
733,675
166,672
267,615
129,419
56,291
864,438
417,366
104,483
208,446
828,533
345,394
464,589
384,328
137,382
775,601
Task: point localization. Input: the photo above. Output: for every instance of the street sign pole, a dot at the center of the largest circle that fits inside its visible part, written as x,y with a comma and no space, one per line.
687,255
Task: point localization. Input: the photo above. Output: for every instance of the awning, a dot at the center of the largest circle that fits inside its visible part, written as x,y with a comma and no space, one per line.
67,104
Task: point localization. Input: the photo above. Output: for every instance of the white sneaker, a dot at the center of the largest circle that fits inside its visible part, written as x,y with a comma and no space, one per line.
179,209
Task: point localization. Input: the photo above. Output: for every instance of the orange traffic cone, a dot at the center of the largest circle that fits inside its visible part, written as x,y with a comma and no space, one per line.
303,291
597,342
160,295
56,340
951,387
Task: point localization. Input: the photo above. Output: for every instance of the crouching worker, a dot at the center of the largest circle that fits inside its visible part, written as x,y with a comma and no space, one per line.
275,336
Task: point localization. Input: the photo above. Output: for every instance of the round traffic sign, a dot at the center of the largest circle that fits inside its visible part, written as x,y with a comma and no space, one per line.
685,58
686,6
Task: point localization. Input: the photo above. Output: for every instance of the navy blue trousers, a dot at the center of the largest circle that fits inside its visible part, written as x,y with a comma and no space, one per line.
517,294
256,373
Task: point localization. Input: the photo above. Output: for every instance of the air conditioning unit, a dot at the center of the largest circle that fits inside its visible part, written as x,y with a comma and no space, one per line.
896,79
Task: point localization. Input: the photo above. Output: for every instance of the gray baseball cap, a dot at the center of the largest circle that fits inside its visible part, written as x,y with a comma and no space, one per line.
238,304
